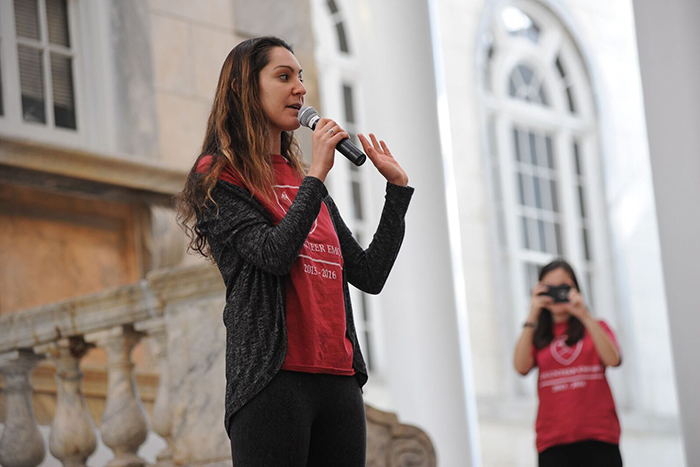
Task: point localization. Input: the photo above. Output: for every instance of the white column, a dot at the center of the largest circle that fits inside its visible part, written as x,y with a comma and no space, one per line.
668,41
424,314
21,444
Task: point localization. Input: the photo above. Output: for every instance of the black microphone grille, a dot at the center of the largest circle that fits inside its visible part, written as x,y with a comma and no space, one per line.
305,116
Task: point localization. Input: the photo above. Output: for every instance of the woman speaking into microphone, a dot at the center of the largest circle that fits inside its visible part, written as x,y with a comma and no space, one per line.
294,368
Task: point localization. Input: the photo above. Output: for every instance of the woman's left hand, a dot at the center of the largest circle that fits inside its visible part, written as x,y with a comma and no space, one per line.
576,306
378,152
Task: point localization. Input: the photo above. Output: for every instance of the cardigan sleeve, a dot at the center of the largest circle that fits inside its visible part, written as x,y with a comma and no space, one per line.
241,223
369,269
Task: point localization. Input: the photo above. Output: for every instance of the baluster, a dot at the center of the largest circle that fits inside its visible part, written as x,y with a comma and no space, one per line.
72,438
162,421
124,423
21,444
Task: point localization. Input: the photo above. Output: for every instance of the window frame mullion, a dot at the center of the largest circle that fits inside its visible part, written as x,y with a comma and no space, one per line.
46,58
12,88
568,188
508,173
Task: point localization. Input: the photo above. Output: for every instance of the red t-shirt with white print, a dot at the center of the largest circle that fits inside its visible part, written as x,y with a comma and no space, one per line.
315,305
576,403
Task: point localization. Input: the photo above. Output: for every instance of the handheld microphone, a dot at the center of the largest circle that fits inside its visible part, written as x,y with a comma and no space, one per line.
308,116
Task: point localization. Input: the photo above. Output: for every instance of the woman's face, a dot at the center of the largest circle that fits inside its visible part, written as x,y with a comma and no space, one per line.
282,90
559,276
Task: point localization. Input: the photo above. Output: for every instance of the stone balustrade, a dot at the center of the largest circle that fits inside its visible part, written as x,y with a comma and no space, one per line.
179,311
72,438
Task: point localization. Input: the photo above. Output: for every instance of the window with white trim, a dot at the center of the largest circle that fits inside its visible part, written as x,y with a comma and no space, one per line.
39,83
543,152
338,89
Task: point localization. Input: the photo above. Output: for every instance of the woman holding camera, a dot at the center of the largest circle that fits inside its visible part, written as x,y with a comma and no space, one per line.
577,423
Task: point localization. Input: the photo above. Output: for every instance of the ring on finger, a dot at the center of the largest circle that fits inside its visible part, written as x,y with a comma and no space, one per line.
331,131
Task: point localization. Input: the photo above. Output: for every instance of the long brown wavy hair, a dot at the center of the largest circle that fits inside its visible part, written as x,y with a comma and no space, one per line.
544,330
237,137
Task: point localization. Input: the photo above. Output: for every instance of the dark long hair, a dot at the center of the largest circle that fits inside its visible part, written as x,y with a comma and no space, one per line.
544,331
237,136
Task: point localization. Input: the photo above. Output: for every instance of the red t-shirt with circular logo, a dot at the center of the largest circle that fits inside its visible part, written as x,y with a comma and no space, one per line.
315,305
576,403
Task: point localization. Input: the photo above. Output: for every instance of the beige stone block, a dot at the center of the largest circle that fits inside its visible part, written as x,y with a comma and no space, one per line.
506,444
479,287
460,10
472,199
584,28
487,376
484,334
485,303
173,55
212,49
182,125
217,13
618,10
476,244
461,82
651,447
465,120
466,153
454,20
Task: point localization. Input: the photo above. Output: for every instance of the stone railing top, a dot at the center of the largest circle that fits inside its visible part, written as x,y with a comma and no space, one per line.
127,304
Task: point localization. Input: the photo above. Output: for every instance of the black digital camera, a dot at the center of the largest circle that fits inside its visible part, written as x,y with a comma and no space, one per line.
560,293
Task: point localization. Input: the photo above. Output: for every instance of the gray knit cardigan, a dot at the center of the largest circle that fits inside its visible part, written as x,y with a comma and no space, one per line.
254,256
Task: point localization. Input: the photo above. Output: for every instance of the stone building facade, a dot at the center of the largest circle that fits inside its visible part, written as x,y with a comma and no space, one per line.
460,89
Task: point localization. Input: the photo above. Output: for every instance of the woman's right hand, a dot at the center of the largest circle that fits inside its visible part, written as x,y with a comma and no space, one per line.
523,359
537,302
324,139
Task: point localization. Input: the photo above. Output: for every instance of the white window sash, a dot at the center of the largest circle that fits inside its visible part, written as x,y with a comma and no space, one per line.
12,124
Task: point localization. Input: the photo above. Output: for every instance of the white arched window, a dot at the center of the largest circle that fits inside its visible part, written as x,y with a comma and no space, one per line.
544,154
339,93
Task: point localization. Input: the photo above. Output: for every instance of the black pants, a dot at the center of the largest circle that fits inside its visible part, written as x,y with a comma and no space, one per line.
583,454
302,419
